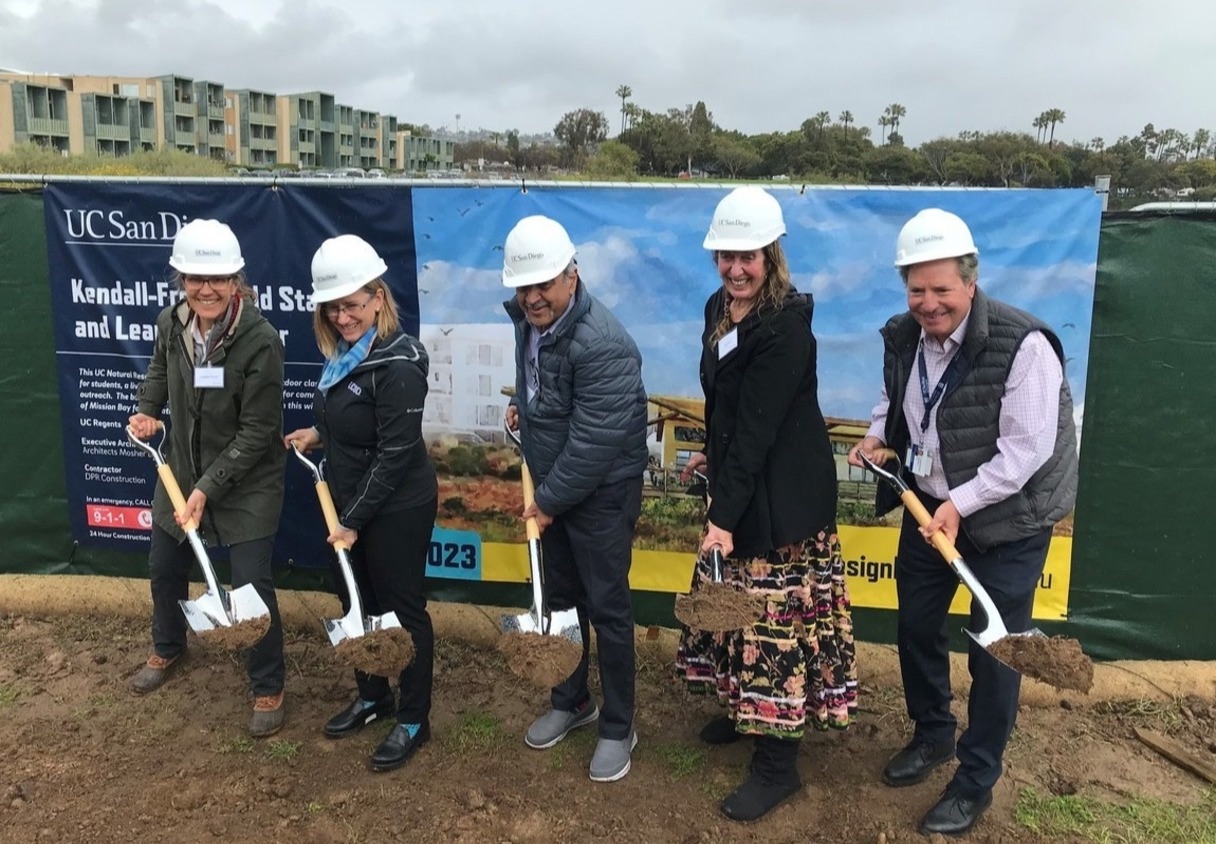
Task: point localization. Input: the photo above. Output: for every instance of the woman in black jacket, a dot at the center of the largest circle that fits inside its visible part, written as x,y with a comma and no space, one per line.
369,420
772,511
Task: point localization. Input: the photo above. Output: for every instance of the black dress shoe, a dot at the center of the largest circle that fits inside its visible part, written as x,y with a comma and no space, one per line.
914,763
398,746
355,717
955,813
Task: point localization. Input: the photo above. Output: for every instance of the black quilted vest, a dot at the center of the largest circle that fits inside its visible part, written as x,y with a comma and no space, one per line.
968,420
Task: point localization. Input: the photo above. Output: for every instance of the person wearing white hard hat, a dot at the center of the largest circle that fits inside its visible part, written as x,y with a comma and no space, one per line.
217,365
772,512
975,404
580,409
368,411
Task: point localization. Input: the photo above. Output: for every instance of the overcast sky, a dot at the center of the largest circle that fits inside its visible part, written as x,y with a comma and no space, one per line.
760,65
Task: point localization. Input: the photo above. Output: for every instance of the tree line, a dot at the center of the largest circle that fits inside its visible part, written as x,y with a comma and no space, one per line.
1153,163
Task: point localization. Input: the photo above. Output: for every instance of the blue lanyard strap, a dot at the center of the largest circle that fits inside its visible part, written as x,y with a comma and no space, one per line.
931,400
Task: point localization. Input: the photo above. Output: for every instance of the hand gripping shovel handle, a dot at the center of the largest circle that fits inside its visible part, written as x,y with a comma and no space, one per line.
996,625
352,625
534,552
222,614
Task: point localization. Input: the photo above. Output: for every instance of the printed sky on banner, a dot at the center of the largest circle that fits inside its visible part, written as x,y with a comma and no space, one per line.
639,251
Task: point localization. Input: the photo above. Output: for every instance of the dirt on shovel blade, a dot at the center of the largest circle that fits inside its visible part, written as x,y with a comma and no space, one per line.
384,652
243,634
545,661
1056,660
718,608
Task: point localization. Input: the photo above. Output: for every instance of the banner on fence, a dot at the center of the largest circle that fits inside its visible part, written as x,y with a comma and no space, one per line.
639,252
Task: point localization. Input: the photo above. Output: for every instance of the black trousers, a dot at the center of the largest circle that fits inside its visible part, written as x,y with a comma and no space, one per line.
169,565
926,585
389,564
587,553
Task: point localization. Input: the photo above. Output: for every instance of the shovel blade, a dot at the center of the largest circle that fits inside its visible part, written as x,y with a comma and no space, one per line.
205,613
247,604
563,623
350,627
988,636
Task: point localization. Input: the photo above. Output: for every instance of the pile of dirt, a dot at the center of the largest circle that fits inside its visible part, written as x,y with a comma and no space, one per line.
545,661
384,652
1055,660
239,636
718,608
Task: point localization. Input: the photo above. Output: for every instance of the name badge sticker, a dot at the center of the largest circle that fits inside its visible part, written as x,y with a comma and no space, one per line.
209,378
728,343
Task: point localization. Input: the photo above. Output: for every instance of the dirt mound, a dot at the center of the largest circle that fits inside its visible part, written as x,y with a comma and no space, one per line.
239,636
718,608
544,661
1055,660
384,652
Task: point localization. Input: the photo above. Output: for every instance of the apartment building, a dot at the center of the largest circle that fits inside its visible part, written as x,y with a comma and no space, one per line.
116,116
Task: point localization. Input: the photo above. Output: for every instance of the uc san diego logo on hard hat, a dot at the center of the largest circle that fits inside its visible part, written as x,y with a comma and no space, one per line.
929,238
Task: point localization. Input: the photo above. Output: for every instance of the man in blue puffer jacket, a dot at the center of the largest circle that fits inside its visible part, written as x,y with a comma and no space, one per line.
580,409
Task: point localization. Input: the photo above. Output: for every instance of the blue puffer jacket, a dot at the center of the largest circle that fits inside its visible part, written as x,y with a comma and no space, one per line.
587,425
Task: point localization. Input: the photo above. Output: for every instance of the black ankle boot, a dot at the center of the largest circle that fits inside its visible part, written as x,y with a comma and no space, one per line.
773,779
720,730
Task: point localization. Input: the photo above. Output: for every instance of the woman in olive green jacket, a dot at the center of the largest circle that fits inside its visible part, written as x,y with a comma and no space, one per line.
218,365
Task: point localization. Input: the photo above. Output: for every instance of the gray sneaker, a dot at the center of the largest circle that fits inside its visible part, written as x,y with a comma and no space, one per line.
611,759
552,727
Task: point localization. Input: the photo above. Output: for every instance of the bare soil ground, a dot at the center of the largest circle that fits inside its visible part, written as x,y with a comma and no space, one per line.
84,760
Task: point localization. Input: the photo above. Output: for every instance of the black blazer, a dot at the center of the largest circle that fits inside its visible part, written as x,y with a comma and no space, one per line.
772,478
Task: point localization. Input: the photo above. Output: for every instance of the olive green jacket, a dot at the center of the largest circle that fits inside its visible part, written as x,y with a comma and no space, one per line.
225,441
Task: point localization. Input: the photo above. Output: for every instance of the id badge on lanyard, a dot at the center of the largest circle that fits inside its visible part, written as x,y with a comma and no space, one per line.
919,459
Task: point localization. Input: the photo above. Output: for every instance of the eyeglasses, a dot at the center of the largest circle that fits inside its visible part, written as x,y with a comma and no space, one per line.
335,311
197,282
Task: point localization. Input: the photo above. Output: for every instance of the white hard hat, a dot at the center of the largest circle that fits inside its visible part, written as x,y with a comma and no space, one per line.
206,247
931,235
342,265
536,251
747,218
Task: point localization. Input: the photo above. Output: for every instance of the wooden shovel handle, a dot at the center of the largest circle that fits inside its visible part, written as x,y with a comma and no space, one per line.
331,513
532,528
175,495
918,511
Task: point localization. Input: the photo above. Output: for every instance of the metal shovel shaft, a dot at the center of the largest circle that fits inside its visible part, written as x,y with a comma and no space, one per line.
994,627
354,624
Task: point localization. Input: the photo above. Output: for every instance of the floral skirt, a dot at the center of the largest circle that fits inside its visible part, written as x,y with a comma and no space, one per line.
797,664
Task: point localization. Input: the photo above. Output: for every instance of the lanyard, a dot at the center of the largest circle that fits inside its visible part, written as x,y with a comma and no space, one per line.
943,382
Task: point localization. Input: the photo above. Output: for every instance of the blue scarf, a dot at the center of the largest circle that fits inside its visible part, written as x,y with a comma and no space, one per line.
345,360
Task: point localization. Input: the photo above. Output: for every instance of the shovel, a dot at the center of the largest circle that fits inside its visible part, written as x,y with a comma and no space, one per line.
994,630
717,607
354,624
215,608
538,619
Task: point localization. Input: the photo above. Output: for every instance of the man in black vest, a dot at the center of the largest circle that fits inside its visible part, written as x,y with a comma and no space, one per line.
987,433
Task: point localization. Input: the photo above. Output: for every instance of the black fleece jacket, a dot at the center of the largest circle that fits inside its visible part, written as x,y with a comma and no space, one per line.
371,427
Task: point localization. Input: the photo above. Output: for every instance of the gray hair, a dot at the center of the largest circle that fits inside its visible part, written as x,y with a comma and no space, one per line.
968,269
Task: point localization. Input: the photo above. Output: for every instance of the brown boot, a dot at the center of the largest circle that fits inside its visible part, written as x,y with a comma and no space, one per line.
268,715
154,673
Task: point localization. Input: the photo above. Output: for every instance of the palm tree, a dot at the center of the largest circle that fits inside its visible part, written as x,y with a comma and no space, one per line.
822,120
895,113
624,92
1054,116
884,122
1038,125
1097,144
845,118
1200,141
